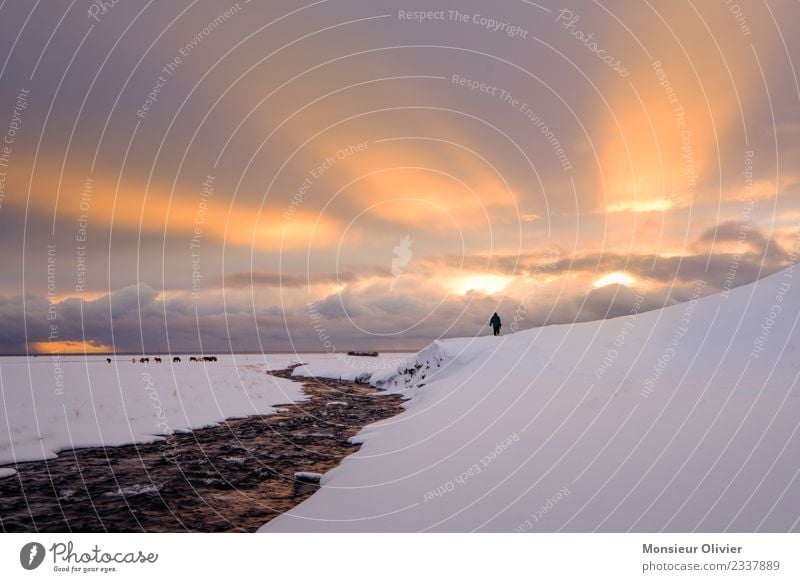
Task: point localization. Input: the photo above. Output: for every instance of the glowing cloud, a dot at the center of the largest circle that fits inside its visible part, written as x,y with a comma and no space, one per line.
655,205
489,284
615,278
69,347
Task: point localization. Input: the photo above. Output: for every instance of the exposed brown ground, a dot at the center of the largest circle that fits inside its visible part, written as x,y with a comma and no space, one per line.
232,477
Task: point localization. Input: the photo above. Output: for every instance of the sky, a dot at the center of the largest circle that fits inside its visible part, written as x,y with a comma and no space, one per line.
338,175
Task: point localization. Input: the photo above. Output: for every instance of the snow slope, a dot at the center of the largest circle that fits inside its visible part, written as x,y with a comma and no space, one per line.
48,405
682,419
352,368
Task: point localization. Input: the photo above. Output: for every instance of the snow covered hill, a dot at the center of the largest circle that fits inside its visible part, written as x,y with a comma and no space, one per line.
682,419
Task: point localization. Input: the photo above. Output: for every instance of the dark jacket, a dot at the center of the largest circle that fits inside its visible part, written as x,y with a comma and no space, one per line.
495,321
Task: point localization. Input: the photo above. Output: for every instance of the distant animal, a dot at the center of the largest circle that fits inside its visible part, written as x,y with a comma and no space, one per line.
176,359
108,360
144,360
209,358
133,360
193,359
158,360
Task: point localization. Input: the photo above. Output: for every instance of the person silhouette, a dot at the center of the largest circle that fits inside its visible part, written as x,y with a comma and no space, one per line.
495,323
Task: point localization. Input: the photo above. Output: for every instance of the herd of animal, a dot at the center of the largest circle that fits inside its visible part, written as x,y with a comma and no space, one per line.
175,359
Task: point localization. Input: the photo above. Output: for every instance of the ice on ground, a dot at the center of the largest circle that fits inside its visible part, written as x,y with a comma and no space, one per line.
308,476
49,404
363,369
681,419
138,489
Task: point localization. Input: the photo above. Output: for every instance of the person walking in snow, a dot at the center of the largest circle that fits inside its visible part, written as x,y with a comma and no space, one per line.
495,323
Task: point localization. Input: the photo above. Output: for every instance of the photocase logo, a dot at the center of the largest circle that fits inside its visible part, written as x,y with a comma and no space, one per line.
400,261
31,555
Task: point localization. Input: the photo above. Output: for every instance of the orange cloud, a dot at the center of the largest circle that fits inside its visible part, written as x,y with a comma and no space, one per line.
209,213
420,196
69,347
677,120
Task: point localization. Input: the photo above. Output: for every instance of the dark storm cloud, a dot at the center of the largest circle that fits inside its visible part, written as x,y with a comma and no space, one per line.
287,280
745,234
135,318
755,256
618,300
131,319
711,268
316,82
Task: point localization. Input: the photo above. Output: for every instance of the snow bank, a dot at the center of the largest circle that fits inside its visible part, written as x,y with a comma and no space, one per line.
361,369
680,419
48,405
308,476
